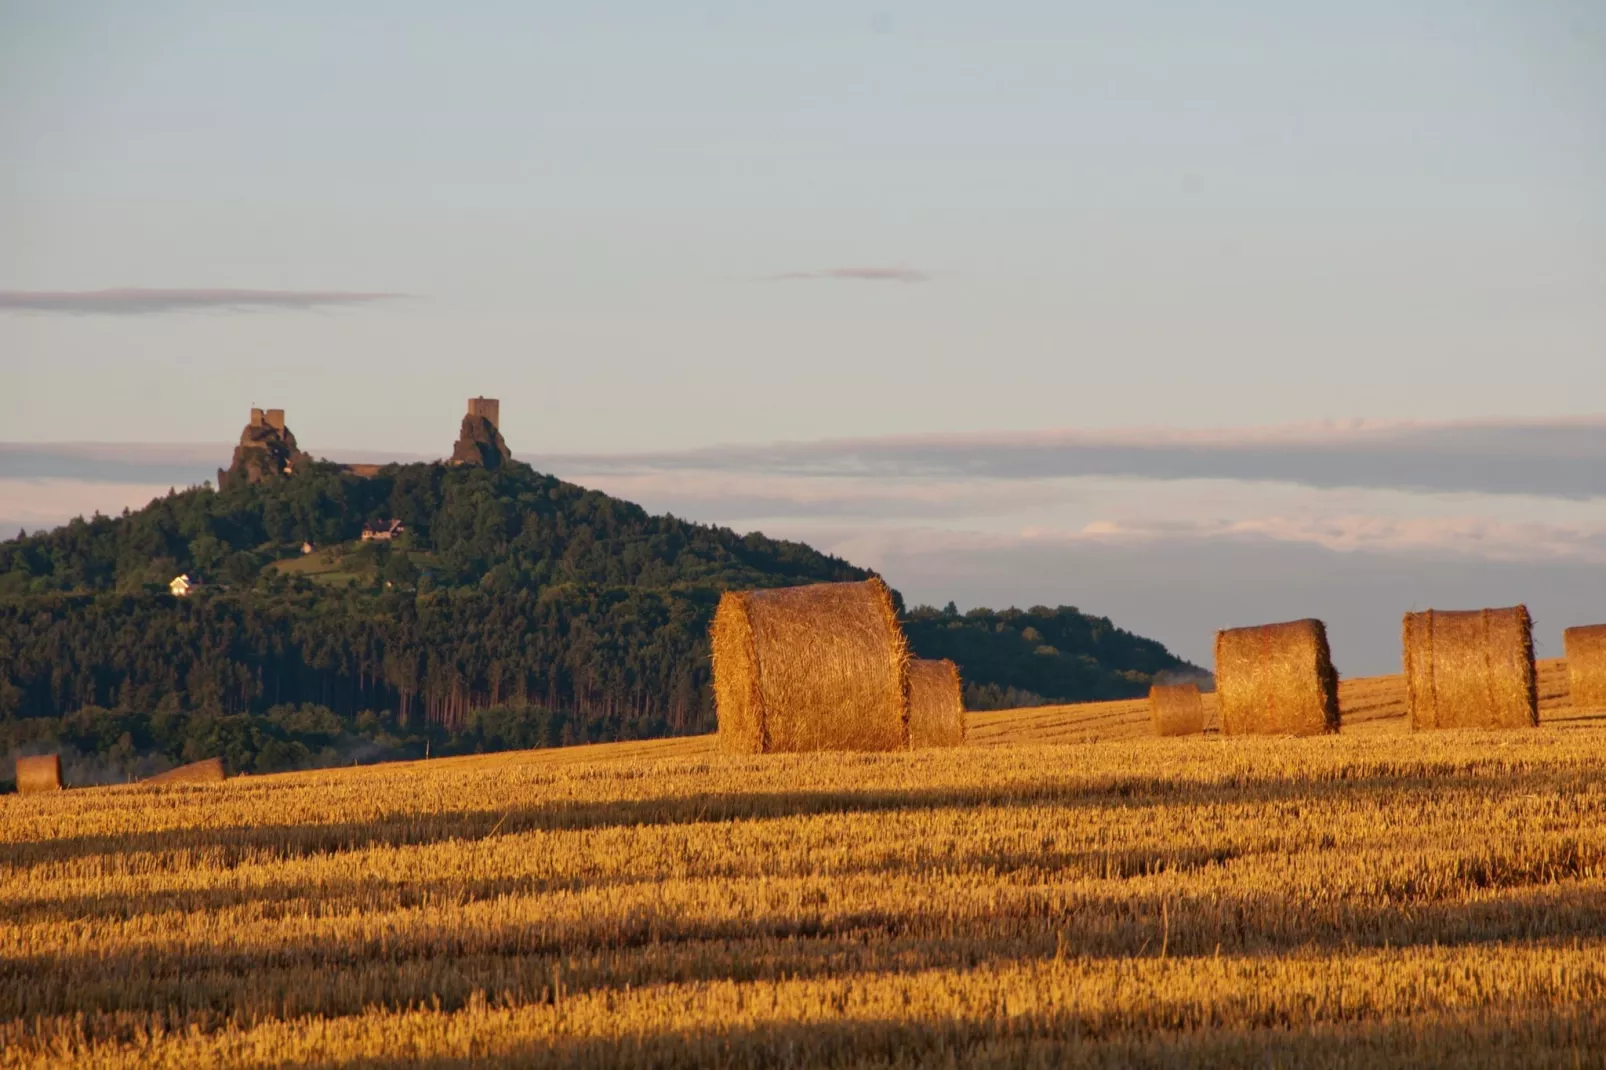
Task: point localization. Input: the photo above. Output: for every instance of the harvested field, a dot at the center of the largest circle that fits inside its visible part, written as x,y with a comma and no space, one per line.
205,771
1205,902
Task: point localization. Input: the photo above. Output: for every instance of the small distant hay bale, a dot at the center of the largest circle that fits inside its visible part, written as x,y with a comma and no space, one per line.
42,772
821,667
1586,665
1276,679
1176,709
1470,669
205,771
936,704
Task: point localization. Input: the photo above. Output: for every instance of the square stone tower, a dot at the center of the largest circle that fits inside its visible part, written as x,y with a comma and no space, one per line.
489,408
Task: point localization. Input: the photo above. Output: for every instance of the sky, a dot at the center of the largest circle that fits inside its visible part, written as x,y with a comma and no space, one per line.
1187,317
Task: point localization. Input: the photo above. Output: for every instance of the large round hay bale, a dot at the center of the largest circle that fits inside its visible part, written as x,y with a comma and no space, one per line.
1586,665
822,667
1176,709
936,704
205,771
41,772
1470,669
1276,679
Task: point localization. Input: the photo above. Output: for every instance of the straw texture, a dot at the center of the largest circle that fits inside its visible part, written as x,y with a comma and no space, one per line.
936,704
206,771
822,667
1276,679
41,772
1176,709
1586,665
1470,669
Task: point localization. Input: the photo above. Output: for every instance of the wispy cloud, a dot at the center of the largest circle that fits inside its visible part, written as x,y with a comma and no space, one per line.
854,274
139,302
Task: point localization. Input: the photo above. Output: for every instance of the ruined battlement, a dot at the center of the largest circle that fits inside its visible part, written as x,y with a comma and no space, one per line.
479,441
273,418
267,450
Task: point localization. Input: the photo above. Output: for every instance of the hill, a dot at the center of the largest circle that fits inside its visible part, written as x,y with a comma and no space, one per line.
512,609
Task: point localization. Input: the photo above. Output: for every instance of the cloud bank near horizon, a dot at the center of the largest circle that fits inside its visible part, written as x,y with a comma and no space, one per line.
133,301
1563,458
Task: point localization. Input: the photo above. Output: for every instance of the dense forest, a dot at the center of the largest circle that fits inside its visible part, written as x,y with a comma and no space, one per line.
513,610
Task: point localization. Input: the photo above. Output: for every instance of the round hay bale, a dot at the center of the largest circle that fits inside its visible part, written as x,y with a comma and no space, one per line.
1470,669
1276,679
205,771
936,704
1586,665
1176,709
42,772
821,667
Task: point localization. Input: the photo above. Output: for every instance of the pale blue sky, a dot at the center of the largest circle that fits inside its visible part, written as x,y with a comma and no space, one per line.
651,228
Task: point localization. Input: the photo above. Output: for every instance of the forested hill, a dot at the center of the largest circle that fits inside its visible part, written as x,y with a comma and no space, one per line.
513,609
496,531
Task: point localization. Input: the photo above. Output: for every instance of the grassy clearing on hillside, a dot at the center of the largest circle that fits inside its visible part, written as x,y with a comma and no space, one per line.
1434,899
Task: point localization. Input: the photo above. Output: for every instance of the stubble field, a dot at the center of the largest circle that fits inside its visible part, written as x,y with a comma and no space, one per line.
1375,897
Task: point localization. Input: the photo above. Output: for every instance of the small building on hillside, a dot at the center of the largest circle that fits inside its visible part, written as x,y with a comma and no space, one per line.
307,548
382,530
182,585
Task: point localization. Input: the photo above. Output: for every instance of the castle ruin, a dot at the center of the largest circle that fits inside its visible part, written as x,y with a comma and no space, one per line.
267,450
479,441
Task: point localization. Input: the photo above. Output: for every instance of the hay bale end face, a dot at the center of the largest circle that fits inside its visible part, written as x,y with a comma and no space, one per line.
1586,665
1470,669
1277,679
936,704
42,772
821,667
1176,709
206,771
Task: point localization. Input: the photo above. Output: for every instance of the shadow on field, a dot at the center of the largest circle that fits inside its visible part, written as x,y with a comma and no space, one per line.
419,962
372,894
231,846
1529,1038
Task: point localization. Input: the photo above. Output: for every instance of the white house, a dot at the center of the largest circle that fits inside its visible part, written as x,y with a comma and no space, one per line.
381,530
182,585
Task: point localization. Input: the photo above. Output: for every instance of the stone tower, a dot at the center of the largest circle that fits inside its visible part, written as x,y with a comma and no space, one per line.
479,442
267,450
